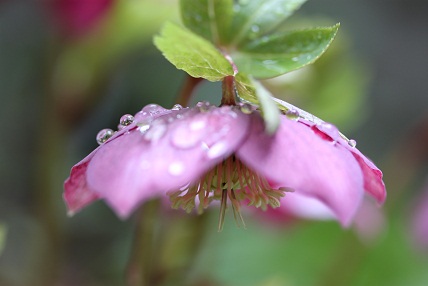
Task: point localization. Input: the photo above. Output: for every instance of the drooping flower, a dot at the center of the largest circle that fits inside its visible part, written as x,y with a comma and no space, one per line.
197,155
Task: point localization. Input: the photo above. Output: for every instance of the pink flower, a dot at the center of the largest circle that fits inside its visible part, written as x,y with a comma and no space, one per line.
197,155
76,17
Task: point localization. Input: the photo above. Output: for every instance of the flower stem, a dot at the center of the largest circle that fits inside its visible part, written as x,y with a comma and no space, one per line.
228,91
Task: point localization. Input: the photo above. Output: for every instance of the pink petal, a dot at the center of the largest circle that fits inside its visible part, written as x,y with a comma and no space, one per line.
175,150
297,158
373,183
77,195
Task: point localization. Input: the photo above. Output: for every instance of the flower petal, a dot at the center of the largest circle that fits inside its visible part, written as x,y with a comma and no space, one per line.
175,150
373,183
77,195
298,158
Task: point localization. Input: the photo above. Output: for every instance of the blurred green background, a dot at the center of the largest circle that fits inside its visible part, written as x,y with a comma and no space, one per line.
69,68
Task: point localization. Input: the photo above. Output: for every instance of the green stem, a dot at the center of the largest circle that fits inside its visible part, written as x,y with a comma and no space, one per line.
228,91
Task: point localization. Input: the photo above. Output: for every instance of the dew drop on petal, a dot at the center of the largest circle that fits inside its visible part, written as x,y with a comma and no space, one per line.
153,109
156,131
144,125
292,114
177,107
217,150
104,135
126,120
246,108
183,137
328,129
352,143
203,106
176,168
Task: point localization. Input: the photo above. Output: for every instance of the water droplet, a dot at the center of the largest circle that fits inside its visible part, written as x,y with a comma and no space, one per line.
352,143
255,28
269,62
104,135
217,150
328,129
308,57
183,137
126,120
292,114
176,168
156,131
144,125
197,125
153,109
203,106
295,59
246,108
177,107
264,39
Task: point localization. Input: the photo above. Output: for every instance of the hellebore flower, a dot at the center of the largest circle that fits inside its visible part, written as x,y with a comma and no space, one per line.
197,155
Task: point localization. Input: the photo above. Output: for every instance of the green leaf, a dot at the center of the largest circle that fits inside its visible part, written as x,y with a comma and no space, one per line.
191,53
253,18
254,92
210,19
278,54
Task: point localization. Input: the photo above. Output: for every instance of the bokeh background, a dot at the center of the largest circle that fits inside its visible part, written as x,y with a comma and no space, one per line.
69,68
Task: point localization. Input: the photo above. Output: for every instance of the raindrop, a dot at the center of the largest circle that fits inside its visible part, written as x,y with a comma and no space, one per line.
328,129
104,135
203,106
246,108
292,114
177,107
352,143
217,150
144,125
295,59
269,62
126,120
153,109
183,137
156,131
176,168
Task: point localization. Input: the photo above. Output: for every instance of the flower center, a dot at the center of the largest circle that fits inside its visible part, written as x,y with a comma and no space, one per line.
232,180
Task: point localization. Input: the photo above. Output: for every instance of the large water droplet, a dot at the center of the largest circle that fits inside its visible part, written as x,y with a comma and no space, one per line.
154,109
328,129
177,107
156,131
104,135
203,106
125,120
352,143
217,150
246,108
144,124
292,114
184,137
176,168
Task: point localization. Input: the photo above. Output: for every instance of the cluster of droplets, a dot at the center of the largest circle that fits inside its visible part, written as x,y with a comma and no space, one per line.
325,128
107,133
